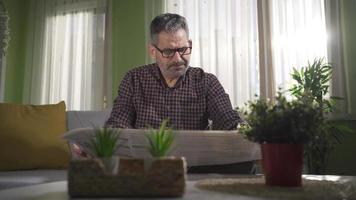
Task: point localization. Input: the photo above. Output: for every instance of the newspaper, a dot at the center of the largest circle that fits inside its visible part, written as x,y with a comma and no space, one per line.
198,147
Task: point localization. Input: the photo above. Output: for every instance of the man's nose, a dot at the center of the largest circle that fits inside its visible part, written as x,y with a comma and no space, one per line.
177,56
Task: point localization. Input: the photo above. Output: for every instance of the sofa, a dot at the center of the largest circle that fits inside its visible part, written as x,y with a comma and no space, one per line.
75,119
81,120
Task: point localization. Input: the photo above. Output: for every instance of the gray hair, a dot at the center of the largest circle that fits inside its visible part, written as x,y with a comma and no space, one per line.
169,23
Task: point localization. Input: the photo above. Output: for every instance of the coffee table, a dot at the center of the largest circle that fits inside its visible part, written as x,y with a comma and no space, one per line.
58,190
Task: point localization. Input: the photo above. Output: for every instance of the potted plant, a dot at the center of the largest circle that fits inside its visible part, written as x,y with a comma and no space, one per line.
167,172
4,42
161,176
313,82
282,128
4,30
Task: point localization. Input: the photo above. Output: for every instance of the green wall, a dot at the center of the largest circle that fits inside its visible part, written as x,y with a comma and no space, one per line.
128,43
129,47
342,161
348,16
15,58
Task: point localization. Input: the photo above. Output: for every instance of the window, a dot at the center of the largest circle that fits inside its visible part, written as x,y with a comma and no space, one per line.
252,45
71,54
298,35
225,42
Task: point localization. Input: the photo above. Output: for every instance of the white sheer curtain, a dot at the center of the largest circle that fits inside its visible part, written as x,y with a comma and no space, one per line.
252,45
66,61
225,42
298,35
152,9
335,54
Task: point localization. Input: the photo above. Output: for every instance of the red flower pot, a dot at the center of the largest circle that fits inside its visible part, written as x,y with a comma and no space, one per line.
282,164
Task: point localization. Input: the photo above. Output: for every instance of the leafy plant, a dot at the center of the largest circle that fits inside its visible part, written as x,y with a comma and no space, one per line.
280,121
160,141
313,81
104,142
312,84
4,27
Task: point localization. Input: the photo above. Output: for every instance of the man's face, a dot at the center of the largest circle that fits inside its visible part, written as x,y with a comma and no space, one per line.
175,66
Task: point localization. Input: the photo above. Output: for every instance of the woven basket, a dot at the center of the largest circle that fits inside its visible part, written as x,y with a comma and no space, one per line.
164,177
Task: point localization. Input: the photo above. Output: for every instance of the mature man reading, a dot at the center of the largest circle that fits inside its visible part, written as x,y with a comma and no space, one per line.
170,88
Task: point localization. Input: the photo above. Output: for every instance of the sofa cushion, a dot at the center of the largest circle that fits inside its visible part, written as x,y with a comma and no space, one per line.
30,136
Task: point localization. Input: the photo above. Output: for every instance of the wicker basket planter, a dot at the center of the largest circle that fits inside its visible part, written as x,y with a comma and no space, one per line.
164,177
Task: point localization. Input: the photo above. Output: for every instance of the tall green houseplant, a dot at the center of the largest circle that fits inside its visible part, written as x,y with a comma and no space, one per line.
4,41
312,84
4,29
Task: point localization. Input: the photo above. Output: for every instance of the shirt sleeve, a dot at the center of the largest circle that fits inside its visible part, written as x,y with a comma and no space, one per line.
123,113
219,106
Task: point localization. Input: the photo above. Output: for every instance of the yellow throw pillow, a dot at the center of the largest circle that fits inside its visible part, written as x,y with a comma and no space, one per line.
30,136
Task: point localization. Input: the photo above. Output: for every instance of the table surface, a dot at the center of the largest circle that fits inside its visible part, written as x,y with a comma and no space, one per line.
58,190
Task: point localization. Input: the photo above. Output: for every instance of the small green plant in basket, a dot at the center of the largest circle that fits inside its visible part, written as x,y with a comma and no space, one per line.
104,142
160,141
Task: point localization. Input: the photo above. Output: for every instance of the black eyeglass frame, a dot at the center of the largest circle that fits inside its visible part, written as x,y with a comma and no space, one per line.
181,51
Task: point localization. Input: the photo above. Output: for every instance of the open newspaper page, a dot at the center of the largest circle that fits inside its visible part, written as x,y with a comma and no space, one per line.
198,147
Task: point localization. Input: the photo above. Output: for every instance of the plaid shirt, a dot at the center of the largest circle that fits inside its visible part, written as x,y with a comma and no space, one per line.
145,100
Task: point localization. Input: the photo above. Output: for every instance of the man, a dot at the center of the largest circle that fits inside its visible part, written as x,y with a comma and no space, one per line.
170,88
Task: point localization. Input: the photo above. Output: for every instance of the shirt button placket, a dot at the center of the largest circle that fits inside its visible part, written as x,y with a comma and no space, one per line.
169,102
166,103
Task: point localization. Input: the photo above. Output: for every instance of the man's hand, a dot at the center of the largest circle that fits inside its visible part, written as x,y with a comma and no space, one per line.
78,152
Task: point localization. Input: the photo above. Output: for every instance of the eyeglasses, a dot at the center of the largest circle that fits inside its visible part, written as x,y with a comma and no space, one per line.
168,53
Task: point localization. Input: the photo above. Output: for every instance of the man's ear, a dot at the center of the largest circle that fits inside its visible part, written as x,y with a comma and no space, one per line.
190,43
152,51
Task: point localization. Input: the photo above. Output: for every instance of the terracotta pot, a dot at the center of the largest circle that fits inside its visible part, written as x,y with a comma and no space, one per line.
282,164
